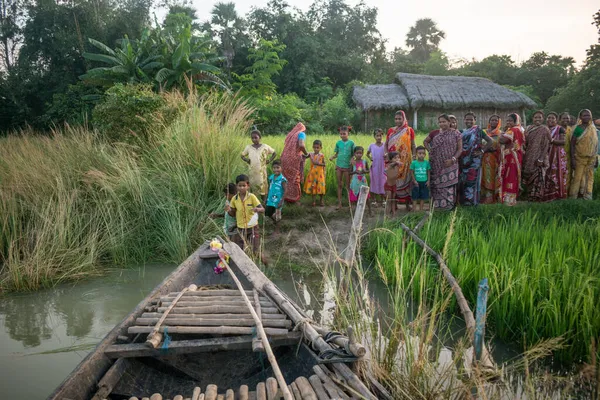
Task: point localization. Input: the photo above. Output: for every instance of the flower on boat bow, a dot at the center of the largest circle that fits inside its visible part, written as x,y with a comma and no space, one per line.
217,247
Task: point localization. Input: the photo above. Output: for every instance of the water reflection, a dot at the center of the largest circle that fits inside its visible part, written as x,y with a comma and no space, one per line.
27,321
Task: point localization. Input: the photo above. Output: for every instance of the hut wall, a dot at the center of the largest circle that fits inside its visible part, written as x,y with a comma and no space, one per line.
374,119
427,119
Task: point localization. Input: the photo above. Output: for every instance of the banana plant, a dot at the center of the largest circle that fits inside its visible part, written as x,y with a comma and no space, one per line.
128,63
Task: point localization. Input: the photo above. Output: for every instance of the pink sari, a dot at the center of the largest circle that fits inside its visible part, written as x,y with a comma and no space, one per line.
556,175
292,164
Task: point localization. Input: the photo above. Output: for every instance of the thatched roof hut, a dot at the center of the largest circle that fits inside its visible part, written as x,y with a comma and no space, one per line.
428,96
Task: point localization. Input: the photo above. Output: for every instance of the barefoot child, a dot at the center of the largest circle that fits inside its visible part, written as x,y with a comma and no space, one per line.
315,180
419,171
391,172
360,170
245,206
376,153
229,225
344,149
277,186
258,155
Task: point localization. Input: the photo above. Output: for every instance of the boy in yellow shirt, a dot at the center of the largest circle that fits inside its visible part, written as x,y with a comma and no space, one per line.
245,206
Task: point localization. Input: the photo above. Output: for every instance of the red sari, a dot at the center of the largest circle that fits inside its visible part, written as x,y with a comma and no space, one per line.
292,164
509,171
556,175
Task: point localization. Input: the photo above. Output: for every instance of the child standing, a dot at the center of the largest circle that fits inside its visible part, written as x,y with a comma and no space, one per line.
344,149
420,171
315,180
376,153
258,155
277,186
360,170
391,175
245,206
229,225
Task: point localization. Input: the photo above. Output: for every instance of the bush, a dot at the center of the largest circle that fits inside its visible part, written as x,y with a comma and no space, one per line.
73,106
128,113
337,112
279,113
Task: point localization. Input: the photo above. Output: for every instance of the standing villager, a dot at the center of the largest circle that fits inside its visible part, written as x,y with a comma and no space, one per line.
584,158
376,153
535,157
556,176
453,122
565,123
444,146
292,161
511,157
490,161
401,139
469,180
258,155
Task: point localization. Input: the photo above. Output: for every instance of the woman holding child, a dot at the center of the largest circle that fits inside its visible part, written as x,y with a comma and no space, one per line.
444,146
401,139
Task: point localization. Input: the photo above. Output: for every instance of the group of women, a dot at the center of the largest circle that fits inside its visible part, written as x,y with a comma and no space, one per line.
549,160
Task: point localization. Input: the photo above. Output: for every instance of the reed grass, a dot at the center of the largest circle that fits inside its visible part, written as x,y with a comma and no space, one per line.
73,202
541,262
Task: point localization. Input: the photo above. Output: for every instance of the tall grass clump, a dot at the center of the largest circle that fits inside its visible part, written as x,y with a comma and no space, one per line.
541,261
76,200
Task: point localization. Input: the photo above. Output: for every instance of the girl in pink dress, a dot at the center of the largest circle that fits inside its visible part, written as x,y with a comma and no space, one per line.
376,153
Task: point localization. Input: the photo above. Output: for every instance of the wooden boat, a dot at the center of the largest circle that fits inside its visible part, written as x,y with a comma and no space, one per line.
209,347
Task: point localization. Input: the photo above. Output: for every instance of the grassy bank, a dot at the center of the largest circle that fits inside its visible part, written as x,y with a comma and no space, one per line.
72,202
541,262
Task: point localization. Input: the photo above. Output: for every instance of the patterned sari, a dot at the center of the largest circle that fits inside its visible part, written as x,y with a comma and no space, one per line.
470,167
509,171
490,189
443,179
556,175
400,139
584,148
535,160
292,164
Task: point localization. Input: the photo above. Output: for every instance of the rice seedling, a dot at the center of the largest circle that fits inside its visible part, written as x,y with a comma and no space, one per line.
541,262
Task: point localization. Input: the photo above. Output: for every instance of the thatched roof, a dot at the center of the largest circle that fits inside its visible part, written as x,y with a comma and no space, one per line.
439,92
459,92
377,97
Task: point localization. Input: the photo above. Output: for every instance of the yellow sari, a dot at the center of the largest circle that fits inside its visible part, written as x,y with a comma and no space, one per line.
583,152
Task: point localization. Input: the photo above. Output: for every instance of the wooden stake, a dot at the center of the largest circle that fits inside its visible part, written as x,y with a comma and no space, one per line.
257,345
263,336
154,338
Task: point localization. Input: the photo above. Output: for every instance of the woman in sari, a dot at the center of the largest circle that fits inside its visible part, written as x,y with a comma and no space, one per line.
444,146
535,158
401,139
489,163
511,157
292,162
565,123
469,180
584,149
556,176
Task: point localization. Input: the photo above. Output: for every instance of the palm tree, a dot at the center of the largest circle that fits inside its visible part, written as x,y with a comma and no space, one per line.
128,63
229,27
424,38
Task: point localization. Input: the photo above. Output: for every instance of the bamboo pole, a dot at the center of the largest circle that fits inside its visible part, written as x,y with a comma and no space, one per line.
212,292
357,349
229,395
154,338
208,330
174,313
460,297
188,297
211,392
271,385
243,393
296,391
317,386
257,345
111,378
261,391
356,226
329,383
263,336
196,393
178,397
306,391
182,321
217,309
208,302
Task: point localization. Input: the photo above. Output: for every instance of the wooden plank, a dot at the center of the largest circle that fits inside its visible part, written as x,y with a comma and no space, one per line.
213,316
217,309
179,347
208,330
212,292
317,386
210,302
111,378
183,321
257,345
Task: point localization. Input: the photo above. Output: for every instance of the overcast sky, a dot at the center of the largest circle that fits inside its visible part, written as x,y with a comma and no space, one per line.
476,29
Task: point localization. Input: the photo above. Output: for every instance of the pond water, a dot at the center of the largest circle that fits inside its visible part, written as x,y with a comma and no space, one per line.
45,334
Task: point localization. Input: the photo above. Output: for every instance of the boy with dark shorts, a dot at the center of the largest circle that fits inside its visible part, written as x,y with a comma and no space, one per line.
391,176
420,171
245,206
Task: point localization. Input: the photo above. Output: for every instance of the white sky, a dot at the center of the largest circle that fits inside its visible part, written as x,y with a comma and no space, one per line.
476,29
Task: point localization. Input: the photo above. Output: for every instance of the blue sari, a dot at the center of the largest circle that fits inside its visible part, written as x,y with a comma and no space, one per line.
469,179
